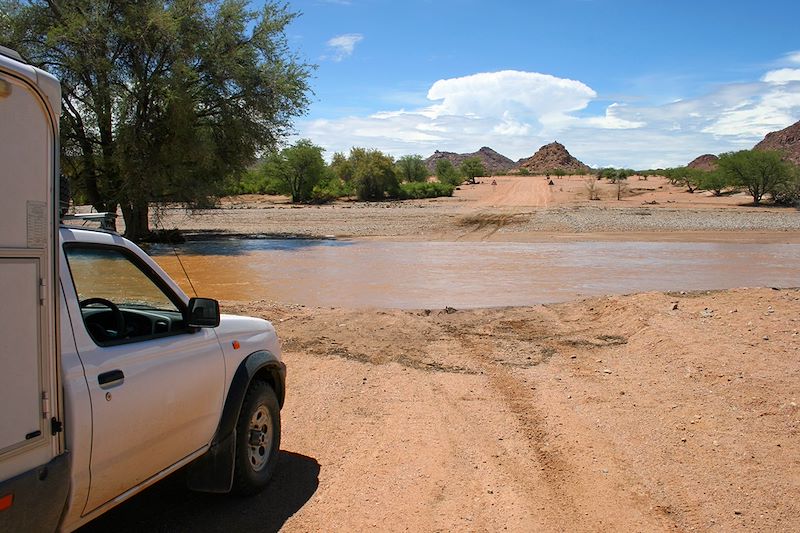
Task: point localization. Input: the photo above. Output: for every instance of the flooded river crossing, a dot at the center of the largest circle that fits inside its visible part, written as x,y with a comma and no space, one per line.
342,273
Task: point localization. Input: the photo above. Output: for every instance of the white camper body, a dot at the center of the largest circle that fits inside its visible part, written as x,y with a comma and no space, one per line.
31,443
111,377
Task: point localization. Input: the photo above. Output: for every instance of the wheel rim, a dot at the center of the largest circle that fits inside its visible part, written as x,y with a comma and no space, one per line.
260,439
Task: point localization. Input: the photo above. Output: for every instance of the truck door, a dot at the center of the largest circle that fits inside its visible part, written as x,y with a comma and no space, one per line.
156,386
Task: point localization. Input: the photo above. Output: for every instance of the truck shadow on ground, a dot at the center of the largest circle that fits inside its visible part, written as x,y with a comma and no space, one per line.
169,506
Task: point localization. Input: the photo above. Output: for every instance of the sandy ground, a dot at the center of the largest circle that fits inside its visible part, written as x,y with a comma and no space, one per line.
647,412
650,412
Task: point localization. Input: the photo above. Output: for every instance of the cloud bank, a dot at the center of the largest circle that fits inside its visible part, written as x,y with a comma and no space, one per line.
515,112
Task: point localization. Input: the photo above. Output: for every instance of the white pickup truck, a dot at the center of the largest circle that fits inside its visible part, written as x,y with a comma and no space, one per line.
111,378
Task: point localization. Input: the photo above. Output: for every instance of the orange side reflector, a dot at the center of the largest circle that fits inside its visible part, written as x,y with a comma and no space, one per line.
236,345
6,502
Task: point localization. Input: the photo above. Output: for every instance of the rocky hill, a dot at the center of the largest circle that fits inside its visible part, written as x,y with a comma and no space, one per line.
786,140
705,162
494,162
551,157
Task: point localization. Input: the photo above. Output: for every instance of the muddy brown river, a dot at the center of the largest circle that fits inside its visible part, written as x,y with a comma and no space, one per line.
411,275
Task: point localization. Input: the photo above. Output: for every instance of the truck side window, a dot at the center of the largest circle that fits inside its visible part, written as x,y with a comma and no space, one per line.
119,302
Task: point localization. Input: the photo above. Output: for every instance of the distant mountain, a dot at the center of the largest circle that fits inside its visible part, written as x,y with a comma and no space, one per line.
494,162
786,140
552,157
705,162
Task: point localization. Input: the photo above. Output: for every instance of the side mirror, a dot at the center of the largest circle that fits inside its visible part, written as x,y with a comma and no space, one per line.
203,313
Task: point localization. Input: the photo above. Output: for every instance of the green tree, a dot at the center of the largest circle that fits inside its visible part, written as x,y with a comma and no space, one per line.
713,180
447,173
299,167
609,173
162,100
688,177
471,168
760,172
373,174
411,168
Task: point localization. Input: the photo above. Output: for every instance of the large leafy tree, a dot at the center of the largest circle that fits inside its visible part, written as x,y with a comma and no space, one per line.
162,100
299,167
760,172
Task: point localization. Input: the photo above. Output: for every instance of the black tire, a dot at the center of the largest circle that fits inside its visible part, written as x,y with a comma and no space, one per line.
258,439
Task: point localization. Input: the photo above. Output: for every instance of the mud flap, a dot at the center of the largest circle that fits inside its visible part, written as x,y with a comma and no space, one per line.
213,471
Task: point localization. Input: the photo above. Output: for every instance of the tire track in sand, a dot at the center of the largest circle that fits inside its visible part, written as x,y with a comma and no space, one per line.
574,501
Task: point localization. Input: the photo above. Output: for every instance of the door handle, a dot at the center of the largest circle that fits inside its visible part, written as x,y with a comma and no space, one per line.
110,379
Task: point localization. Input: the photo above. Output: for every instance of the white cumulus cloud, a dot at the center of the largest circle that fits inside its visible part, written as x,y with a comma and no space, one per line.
506,108
509,93
342,46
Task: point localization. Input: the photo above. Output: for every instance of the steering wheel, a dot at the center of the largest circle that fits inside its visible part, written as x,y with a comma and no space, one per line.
119,318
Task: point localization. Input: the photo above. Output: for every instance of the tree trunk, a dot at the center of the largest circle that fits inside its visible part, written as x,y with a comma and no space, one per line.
137,220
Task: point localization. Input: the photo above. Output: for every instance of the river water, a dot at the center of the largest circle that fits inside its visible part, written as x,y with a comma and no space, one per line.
335,273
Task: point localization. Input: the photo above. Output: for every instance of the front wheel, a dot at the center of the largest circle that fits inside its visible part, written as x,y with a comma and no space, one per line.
258,439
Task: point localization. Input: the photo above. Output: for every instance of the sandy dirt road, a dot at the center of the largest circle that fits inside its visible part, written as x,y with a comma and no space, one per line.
515,192
652,412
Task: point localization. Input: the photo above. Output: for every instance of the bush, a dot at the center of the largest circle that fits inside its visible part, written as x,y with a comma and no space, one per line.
411,168
409,191
373,175
254,181
608,173
330,190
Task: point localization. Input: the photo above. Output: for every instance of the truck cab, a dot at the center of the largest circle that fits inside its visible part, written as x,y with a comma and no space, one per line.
113,377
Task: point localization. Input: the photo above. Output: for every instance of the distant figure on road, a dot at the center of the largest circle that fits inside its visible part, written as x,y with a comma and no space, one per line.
494,183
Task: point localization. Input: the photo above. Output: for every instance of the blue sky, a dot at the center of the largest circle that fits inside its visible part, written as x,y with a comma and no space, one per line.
619,82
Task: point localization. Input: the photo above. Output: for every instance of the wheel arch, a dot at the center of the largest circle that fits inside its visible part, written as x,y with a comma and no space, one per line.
213,471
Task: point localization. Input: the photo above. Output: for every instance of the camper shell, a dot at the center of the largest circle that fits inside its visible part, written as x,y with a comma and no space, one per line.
33,461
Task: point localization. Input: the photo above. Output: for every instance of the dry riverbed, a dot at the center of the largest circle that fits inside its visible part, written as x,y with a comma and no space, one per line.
521,209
